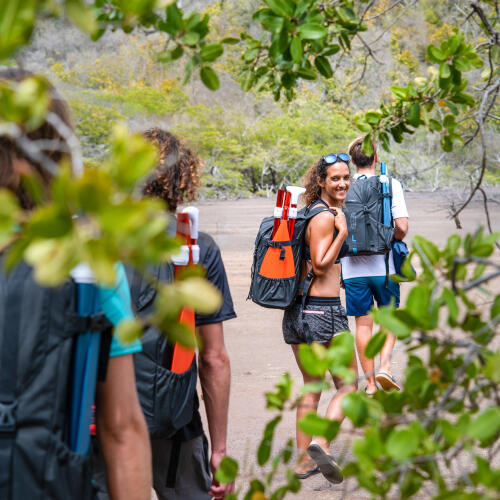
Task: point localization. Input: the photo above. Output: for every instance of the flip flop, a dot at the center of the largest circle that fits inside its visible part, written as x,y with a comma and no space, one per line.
387,381
326,463
370,394
307,474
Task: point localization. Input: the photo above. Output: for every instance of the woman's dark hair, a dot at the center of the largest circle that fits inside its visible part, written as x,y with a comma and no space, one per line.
177,175
318,170
10,149
359,158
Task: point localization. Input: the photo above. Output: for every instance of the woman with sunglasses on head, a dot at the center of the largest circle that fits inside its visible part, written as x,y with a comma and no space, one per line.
321,315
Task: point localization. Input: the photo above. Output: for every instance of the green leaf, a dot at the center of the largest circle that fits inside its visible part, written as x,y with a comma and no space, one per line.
229,40
418,302
209,78
449,297
191,38
399,92
355,407
446,143
17,21
426,248
128,331
314,425
307,74
323,66
315,387
81,15
211,52
246,80
385,317
331,50
492,368
414,115
435,125
173,23
312,31
283,8
435,55
375,344
486,425
444,71
402,444
227,471
296,49
495,309
264,451
367,145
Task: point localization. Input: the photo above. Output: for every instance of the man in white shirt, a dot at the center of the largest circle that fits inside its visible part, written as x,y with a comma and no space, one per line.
365,279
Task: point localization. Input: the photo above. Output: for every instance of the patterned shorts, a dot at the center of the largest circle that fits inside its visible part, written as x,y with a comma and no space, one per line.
324,316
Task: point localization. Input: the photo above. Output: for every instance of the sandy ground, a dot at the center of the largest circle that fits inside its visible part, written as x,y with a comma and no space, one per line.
254,340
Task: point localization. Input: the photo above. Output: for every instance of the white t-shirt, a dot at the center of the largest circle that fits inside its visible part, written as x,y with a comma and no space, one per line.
374,265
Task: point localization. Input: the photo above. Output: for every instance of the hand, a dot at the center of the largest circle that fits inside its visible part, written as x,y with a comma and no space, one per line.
218,491
340,222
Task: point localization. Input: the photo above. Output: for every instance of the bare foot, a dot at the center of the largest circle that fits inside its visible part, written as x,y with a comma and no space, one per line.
304,464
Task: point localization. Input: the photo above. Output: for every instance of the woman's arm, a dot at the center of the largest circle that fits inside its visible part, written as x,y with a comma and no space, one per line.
324,251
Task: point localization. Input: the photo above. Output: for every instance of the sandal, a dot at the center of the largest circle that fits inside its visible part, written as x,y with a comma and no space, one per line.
387,381
326,463
307,474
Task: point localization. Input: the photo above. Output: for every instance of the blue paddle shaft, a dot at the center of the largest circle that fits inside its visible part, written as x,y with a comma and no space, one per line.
386,204
85,364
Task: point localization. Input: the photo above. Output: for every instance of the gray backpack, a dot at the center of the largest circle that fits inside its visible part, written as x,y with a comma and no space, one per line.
167,398
368,235
38,328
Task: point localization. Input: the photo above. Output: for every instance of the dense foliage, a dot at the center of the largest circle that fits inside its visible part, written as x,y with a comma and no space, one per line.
440,434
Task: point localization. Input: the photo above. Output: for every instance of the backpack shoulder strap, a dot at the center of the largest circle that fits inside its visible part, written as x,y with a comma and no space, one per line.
314,209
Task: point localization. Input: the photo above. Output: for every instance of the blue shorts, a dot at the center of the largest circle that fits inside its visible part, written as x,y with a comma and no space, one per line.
360,292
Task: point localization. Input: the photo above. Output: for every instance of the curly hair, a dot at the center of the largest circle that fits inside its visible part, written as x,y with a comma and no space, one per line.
177,175
318,170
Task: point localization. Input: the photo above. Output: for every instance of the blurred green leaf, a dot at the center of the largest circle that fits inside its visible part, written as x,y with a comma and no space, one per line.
375,344
209,78
264,451
227,471
402,444
312,31
323,66
314,425
211,52
385,317
485,425
128,331
355,407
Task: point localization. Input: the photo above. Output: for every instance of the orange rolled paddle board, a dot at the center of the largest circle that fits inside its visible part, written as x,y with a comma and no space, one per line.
274,267
182,356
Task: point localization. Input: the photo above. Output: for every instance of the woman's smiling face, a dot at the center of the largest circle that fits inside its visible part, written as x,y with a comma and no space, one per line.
337,182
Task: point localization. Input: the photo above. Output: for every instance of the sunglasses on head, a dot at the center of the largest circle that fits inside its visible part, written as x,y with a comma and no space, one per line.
334,158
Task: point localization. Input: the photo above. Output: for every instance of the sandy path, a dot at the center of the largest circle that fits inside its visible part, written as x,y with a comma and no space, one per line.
257,351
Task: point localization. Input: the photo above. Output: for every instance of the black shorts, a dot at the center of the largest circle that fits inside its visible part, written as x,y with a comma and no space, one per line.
325,316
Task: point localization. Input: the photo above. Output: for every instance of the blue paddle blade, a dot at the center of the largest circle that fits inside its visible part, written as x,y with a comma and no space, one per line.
386,204
84,377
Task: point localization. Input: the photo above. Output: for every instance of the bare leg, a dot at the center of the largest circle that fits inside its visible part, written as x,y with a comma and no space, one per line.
364,326
334,410
385,353
309,403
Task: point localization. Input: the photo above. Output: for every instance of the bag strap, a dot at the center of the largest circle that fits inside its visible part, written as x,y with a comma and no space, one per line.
282,245
8,381
304,287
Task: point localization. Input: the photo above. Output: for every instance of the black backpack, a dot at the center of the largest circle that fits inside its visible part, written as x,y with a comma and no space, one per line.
167,398
38,328
280,293
368,235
